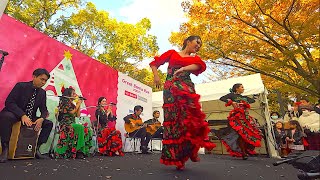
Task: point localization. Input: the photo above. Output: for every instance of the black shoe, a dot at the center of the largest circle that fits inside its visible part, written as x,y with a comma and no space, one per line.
41,156
5,152
144,150
244,156
80,155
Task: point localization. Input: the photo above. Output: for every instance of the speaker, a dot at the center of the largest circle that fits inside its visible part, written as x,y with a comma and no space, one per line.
23,142
308,161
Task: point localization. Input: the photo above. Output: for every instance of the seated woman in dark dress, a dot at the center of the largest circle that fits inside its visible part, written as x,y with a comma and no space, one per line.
109,139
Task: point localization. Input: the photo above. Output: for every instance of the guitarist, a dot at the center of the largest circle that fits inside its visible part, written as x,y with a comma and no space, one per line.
154,127
141,131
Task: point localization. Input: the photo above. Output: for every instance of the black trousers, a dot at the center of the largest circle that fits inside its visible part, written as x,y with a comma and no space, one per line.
7,119
143,135
158,133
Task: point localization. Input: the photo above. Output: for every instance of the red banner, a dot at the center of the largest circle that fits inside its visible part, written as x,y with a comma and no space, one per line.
29,49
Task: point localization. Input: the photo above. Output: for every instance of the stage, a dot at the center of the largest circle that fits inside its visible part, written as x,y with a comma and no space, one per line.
138,166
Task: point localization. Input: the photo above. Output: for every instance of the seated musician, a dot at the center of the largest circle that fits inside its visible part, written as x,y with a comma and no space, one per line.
136,128
154,125
109,139
22,104
75,140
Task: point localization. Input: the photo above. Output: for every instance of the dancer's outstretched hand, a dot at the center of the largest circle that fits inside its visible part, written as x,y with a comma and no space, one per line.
157,81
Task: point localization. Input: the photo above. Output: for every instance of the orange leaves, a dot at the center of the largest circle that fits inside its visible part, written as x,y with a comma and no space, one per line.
274,37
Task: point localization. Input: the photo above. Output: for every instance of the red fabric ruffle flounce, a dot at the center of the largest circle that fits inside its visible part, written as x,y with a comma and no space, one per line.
195,128
244,126
110,142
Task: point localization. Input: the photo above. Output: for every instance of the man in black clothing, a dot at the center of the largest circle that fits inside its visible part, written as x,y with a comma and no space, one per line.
154,121
141,132
22,104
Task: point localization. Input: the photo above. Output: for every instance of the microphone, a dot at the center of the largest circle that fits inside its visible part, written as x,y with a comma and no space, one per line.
4,53
101,105
80,97
112,103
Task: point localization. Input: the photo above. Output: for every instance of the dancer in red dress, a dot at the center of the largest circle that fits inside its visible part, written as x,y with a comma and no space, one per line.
242,134
185,128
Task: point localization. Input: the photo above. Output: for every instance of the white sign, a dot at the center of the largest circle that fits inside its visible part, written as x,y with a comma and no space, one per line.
130,94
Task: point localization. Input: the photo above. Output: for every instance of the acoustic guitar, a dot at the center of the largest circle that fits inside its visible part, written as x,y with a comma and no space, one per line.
152,128
134,125
137,124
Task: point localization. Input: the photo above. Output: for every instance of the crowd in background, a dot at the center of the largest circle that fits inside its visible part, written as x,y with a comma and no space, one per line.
298,129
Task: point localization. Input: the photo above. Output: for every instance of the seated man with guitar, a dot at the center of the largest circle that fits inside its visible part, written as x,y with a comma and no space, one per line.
136,128
154,125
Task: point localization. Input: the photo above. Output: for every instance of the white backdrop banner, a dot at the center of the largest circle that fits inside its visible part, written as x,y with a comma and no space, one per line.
130,94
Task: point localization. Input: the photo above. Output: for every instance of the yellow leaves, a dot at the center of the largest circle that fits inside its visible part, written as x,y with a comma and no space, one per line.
36,12
267,34
89,30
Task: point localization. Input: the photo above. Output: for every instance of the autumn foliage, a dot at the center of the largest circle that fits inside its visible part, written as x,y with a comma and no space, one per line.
277,38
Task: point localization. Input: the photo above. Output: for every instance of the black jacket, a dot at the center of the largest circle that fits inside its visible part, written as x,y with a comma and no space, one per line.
19,98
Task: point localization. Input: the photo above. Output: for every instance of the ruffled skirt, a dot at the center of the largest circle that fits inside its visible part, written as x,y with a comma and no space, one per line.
185,128
243,126
109,142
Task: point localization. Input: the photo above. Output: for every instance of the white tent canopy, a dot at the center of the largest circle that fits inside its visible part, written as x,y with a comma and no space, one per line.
216,110
213,91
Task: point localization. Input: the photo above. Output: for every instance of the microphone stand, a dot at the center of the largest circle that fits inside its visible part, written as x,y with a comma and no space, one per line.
1,61
55,132
95,130
68,97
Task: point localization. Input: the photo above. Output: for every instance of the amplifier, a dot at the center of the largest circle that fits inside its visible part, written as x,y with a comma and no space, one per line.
23,142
